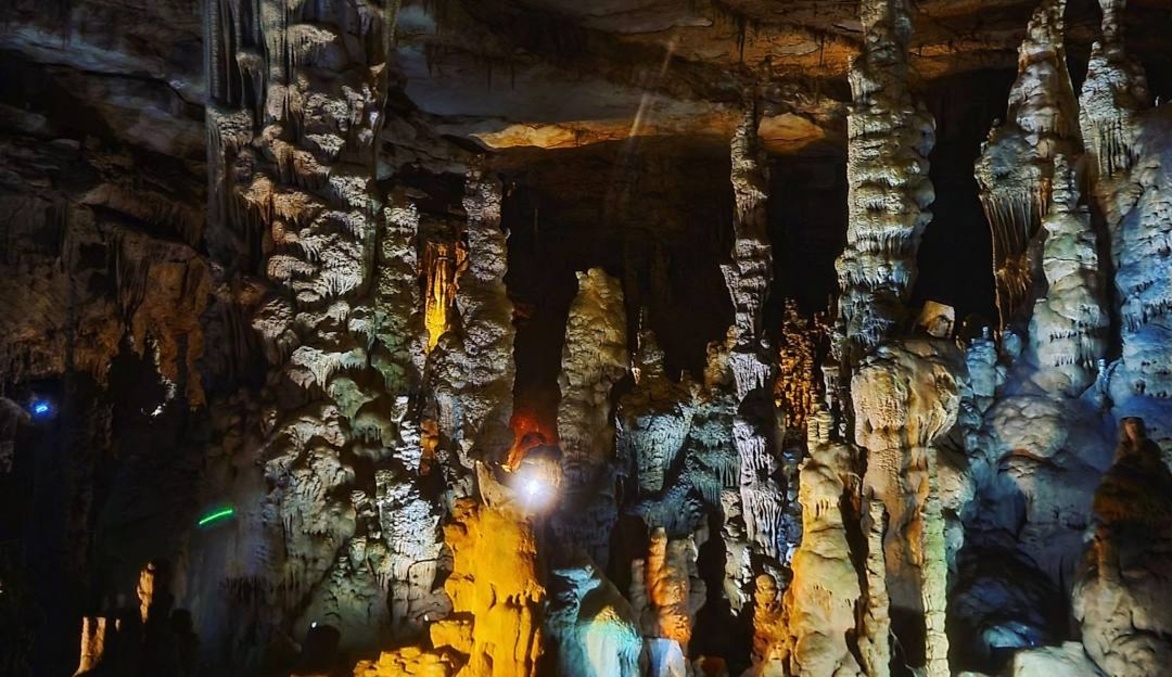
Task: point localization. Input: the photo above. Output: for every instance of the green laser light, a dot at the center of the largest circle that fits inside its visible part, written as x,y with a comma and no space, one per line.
216,516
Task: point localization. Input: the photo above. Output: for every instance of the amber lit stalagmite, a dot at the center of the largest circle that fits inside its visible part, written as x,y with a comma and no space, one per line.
820,604
889,138
494,629
1016,167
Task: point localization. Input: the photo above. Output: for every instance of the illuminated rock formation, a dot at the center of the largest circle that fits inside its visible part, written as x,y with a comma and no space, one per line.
494,628
821,600
906,396
472,366
1070,324
592,626
1016,167
666,590
1121,595
594,358
93,645
889,138
1114,92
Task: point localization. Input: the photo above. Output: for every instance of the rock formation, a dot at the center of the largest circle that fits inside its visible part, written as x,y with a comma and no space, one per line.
594,358
889,138
1016,167
1121,593
518,337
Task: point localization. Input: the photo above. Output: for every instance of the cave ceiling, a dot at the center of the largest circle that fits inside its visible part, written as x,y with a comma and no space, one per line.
548,73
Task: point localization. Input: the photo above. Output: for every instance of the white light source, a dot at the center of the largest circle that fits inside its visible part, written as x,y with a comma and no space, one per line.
532,488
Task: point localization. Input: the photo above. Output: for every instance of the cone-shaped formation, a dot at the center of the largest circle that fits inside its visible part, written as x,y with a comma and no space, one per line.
1114,92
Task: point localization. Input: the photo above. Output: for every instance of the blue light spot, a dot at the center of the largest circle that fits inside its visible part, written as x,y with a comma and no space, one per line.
42,409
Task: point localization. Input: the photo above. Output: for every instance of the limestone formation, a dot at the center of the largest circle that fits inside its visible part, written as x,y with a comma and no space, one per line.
592,626
497,600
93,645
299,317
1070,322
889,138
906,396
821,599
1114,93
1016,167
1121,595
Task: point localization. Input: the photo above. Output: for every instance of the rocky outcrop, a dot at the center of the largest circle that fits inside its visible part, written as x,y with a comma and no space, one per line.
1121,595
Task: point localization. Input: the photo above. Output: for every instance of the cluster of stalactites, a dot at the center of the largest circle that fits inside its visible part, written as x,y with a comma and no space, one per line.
1016,166
889,138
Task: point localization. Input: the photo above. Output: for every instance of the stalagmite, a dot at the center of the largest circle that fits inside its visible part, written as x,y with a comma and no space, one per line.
889,138
497,600
821,600
1016,166
906,396
1121,596
93,645
667,590
592,625
875,638
1070,323
594,358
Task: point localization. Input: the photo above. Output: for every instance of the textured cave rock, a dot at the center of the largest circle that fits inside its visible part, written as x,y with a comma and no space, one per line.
594,630
820,602
272,281
1121,594
1016,167
594,358
889,138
